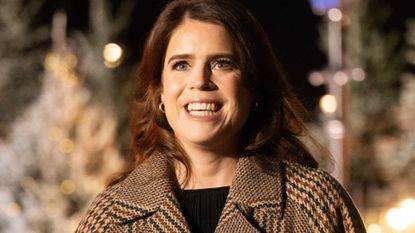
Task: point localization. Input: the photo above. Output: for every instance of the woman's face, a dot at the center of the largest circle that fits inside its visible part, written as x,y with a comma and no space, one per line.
206,102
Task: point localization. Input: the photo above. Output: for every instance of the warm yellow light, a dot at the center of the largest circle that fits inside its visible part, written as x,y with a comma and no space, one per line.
70,79
328,104
396,219
335,14
55,133
112,55
28,183
374,228
51,61
68,187
71,61
66,146
407,209
13,209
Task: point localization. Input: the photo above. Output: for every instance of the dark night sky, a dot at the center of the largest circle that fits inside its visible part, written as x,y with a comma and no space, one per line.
290,24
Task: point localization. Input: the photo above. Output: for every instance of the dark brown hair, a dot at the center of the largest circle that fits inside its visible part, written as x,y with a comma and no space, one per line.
274,124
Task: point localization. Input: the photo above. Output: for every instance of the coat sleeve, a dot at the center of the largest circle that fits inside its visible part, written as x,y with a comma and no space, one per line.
99,218
349,215
321,204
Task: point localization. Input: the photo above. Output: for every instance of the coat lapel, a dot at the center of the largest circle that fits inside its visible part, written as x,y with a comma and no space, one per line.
146,201
147,198
255,200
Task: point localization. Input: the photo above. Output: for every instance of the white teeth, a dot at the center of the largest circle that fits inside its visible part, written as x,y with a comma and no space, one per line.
202,107
201,113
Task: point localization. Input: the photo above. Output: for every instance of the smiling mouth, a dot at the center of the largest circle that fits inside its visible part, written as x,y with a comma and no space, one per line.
202,109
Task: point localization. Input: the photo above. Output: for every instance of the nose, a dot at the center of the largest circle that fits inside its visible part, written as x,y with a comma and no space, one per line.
201,79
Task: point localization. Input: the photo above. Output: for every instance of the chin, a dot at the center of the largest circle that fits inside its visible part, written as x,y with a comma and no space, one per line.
210,140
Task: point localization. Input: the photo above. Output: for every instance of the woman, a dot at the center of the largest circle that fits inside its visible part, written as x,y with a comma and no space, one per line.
216,137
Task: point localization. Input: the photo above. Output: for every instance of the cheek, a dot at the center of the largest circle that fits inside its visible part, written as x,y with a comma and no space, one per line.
238,92
243,99
170,92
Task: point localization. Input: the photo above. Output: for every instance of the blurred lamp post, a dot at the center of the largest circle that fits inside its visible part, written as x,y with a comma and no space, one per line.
334,78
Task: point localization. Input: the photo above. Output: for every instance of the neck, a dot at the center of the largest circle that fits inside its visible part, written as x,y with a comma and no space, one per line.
209,168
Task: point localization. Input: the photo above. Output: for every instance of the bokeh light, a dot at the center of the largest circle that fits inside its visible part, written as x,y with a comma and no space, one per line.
112,55
328,104
67,187
407,209
335,129
396,220
358,74
340,78
316,78
374,228
28,183
66,146
13,209
335,15
55,133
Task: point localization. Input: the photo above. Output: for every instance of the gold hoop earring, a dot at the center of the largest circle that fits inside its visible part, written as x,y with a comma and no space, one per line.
161,107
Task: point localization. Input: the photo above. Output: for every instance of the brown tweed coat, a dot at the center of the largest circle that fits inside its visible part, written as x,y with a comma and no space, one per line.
292,198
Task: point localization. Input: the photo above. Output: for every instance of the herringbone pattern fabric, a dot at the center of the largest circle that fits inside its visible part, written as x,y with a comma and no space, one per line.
290,198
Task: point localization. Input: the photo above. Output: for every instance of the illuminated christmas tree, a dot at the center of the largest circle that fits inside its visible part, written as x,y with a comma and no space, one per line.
61,148
381,118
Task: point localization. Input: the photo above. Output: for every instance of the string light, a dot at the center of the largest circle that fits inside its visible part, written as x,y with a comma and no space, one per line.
316,79
374,228
340,78
28,183
66,146
407,208
328,104
335,129
70,60
335,14
358,74
396,220
62,67
112,55
67,187
55,133
400,218
51,61
13,209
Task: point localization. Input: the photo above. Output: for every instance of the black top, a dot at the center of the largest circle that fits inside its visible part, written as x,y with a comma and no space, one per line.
202,207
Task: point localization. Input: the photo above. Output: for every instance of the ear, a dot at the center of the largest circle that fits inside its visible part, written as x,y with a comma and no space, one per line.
162,97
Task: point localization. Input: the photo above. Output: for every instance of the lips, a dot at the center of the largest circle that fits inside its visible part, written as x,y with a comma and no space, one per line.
202,109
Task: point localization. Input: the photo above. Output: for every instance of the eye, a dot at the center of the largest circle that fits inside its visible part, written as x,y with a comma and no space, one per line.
223,63
180,65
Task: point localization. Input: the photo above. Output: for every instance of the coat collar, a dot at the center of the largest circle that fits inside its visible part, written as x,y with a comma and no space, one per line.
145,189
150,186
255,188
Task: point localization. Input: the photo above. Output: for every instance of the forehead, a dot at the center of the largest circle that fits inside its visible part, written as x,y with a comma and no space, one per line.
195,35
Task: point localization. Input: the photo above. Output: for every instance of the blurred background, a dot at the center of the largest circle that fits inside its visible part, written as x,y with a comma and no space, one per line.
67,72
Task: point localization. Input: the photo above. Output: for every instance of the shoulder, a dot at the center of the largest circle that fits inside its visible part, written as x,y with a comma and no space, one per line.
311,179
313,184
99,216
321,195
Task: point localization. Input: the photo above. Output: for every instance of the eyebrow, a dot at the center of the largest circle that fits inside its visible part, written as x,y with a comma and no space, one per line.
179,56
210,57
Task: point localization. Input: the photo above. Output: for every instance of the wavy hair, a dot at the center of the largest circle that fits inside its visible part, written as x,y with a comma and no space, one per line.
275,124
